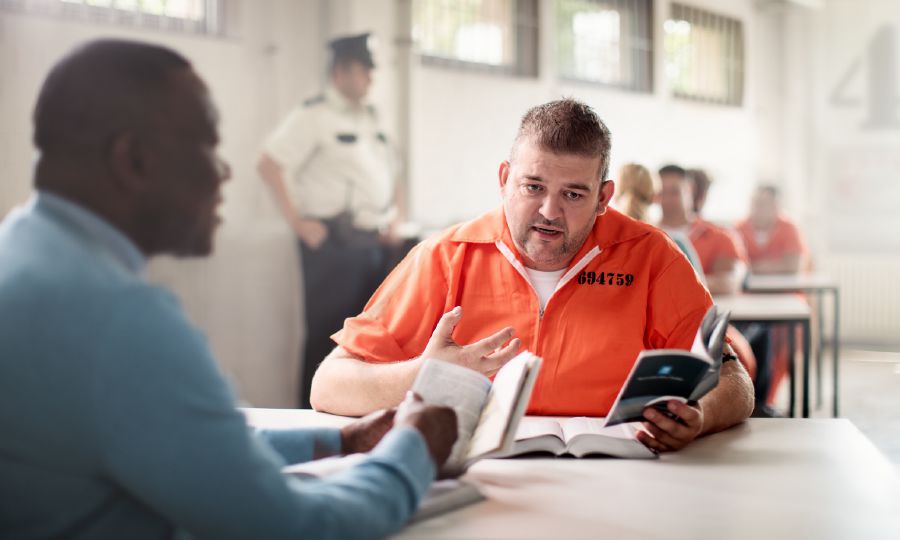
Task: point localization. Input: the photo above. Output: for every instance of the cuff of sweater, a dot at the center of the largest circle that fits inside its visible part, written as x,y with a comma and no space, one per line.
405,450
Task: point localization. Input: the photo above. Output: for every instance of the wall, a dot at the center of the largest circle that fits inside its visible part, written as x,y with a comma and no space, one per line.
854,139
463,124
271,60
245,297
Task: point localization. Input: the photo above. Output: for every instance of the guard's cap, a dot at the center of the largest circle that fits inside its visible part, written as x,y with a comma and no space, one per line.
352,48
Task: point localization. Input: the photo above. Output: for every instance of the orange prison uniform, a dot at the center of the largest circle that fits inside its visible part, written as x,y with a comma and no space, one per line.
713,242
627,289
783,240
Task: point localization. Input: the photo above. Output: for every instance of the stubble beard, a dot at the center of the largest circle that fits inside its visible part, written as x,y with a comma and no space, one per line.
537,251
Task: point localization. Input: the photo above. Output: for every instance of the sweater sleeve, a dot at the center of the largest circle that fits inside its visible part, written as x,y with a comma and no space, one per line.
171,437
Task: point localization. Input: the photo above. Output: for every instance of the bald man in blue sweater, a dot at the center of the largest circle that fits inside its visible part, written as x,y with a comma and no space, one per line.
114,419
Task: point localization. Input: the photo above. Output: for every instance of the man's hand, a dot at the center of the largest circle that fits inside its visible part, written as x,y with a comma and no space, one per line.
362,435
436,424
486,356
311,231
664,434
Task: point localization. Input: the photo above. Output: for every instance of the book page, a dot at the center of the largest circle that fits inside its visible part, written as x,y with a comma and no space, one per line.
505,404
583,425
714,339
443,495
462,389
531,427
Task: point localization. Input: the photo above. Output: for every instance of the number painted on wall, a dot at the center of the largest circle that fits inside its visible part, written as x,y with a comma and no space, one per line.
879,62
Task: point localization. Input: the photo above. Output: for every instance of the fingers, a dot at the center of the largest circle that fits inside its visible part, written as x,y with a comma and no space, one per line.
446,324
672,434
647,440
496,360
491,343
410,404
664,441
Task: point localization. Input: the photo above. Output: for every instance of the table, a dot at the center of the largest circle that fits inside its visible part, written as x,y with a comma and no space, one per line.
776,309
817,284
766,478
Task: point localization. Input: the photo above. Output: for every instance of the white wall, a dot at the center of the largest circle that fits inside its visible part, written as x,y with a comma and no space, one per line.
853,134
246,296
271,62
463,124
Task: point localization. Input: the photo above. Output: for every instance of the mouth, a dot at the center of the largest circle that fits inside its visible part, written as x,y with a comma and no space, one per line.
546,232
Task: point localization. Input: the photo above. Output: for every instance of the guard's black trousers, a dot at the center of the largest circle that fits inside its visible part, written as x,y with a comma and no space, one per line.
339,277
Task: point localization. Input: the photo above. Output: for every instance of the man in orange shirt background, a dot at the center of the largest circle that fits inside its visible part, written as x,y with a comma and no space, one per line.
554,270
774,246
720,251
773,241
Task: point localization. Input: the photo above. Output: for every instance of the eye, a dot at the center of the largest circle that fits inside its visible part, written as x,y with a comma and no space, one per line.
573,195
532,188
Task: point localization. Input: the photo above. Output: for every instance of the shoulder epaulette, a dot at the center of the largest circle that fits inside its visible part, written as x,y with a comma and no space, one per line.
314,100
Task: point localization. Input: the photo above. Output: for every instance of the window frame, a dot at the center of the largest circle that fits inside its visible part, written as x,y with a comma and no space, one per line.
212,24
642,50
526,48
733,61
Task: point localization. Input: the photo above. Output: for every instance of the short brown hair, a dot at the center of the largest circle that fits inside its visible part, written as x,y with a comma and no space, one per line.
701,181
567,126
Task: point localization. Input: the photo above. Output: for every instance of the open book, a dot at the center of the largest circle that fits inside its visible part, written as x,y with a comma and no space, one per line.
578,437
443,496
487,414
662,375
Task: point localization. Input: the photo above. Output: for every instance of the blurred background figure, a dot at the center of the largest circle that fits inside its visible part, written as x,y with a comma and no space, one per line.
675,199
332,154
774,246
635,190
719,251
773,241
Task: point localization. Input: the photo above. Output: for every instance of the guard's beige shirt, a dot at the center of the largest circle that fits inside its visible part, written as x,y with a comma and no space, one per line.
336,158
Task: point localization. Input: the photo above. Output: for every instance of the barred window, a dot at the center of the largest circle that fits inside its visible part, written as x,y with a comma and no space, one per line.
606,41
194,16
489,35
704,55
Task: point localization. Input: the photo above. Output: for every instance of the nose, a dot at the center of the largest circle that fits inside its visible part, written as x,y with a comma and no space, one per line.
550,208
223,169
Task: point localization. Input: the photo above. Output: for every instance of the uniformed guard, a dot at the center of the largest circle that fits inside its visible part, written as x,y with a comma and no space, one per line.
330,168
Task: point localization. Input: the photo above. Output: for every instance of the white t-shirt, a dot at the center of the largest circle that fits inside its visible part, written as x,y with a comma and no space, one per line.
544,283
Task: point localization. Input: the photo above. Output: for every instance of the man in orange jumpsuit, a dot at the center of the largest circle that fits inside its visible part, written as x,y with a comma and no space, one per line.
774,246
553,270
773,241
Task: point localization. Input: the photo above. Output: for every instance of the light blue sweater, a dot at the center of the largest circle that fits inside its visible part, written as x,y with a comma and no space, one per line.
116,423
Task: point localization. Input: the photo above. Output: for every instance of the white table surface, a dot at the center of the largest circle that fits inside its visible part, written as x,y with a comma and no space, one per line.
790,282
764,479
764,307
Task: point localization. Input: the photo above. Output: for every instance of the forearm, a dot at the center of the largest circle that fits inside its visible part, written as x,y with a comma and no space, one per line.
273,175
346,385
731,402
304,444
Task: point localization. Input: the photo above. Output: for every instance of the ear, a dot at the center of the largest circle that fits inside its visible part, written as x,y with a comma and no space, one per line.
503,173
607,190
127,162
